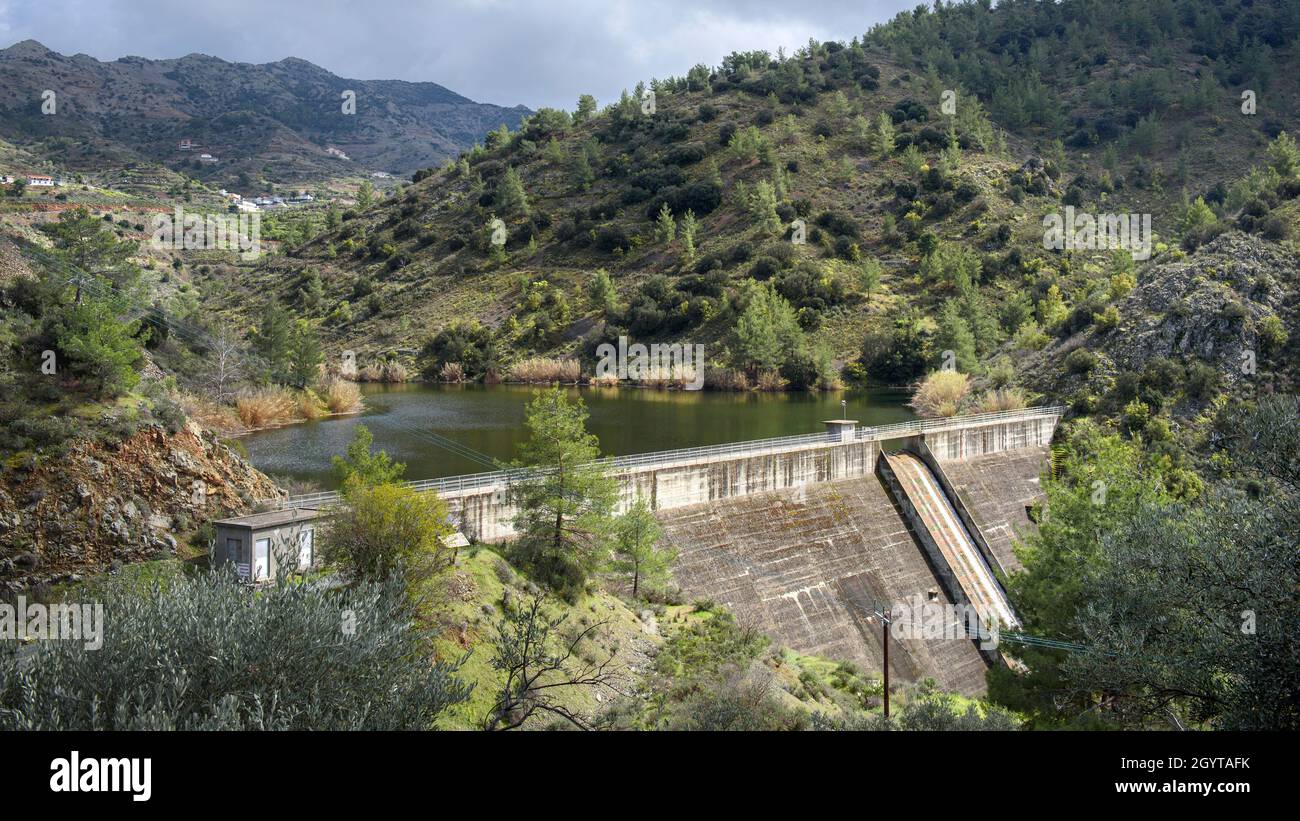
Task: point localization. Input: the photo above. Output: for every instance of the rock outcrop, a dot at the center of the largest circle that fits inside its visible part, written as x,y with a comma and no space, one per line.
1206,308
103,504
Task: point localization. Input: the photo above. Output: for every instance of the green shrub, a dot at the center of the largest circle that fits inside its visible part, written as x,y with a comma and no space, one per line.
1107,320
1202,381
1080,361
1272,333
1234,310
207,652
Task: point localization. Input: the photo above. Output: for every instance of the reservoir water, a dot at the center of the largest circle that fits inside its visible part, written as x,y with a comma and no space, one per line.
490,421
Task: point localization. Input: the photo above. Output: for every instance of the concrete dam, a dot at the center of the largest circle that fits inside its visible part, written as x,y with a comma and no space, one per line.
805,536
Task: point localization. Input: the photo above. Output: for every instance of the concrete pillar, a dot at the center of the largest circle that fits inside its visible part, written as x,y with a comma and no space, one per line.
842,430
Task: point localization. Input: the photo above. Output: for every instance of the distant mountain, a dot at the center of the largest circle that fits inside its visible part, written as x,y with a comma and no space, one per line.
278,119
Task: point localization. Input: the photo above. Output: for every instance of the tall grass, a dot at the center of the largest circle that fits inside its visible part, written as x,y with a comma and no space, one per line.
265,407
1001,399
941,394
387,371
310,406
771,381
216,417
672,376
272,406
725,379
341,396
541,370
451,372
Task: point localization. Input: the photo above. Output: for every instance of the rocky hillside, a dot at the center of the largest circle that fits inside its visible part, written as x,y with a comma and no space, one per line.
920,179
276,119
103,504
1213,321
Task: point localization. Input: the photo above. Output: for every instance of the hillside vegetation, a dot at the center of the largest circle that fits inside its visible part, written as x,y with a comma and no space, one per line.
921,160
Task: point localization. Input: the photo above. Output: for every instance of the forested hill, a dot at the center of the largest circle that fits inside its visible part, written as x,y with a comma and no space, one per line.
922,158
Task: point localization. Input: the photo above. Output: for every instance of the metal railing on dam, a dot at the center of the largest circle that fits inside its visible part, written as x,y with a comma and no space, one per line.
500,478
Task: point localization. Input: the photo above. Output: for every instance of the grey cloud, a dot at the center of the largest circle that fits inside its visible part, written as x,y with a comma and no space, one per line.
499,51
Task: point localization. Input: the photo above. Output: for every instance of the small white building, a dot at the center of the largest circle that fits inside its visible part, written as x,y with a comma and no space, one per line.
40,181
260,544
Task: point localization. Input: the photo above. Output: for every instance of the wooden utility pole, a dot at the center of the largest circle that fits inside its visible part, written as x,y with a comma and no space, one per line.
884,624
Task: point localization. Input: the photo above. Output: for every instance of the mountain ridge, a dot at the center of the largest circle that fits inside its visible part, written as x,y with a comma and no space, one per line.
142,108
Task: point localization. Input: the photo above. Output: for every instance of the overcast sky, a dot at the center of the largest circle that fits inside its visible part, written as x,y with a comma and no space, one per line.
496,51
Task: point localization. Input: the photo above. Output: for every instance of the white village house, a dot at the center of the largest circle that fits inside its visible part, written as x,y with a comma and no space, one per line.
40,181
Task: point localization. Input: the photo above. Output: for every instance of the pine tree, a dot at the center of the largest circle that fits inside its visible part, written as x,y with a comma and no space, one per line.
583,176
637,556
304,355
767,331
87,245
839,107
586,109
885,135
565,499
1051,308
778,182
1197,215
101,349
713,174
601,291
869,277
689,226
665,225
955,335
510,195
272,340
1283,156
762,207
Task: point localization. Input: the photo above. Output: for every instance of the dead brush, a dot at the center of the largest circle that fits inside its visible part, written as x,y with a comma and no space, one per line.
265,407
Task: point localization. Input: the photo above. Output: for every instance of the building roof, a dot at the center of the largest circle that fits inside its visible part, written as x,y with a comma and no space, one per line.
273,518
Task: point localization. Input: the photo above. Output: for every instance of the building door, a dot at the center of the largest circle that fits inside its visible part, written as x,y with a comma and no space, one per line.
261,559
304,549
235,553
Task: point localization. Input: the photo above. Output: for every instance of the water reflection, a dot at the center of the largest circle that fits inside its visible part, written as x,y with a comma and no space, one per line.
489,419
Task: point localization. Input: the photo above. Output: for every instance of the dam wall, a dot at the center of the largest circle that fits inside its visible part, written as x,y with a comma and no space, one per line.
668,480
808,567
800,537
